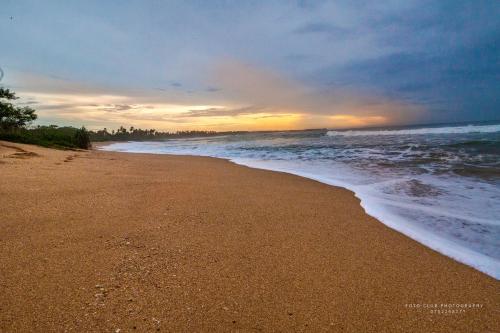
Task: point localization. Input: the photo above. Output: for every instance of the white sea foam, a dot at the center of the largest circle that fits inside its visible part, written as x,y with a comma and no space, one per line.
421,131
454,215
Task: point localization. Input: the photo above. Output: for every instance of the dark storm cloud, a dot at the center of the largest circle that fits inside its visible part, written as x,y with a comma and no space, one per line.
447,60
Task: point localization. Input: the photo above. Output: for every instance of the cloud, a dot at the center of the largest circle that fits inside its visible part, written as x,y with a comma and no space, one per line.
223,112
322,61
460,85
253,97
258,111
322,27
117,107
260,89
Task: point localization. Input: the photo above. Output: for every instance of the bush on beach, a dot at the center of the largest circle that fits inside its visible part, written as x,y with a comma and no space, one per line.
14,122
49,136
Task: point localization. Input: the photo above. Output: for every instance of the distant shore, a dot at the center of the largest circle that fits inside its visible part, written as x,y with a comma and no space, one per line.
101,241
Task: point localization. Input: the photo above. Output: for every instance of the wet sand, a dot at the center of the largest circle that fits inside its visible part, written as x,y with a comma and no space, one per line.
114,242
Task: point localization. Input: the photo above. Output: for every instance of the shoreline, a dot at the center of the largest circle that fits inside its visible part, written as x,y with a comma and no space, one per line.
478,261
100,241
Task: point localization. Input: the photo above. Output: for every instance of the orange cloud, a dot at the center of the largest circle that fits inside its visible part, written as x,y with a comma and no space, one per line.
248,98
249,85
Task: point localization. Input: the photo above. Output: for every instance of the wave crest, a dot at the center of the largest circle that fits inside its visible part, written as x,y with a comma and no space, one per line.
421,131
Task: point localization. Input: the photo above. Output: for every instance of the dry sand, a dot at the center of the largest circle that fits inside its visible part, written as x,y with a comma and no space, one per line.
115,242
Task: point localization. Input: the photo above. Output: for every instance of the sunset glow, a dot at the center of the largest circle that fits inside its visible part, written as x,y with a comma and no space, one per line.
233,68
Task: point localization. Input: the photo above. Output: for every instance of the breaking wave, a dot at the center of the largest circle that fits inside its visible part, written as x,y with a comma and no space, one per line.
421,131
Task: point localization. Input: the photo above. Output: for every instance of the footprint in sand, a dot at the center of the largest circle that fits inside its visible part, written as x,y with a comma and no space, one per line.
70,158
20,153
24,154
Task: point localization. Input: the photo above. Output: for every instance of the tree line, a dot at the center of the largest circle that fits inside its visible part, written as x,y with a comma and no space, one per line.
138,134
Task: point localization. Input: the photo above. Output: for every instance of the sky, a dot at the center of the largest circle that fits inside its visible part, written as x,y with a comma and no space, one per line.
252,65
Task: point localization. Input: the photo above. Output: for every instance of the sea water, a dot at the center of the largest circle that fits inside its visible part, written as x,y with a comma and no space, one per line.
439,185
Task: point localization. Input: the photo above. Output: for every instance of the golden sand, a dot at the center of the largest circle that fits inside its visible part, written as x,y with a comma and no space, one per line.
116,242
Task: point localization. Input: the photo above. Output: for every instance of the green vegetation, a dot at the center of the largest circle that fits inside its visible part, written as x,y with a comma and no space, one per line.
137,134
13,117
49,136
14,121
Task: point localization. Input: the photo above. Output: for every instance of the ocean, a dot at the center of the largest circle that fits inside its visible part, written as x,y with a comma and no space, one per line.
438,184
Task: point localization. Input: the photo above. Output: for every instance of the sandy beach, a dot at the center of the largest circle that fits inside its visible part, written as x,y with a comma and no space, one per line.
94,241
